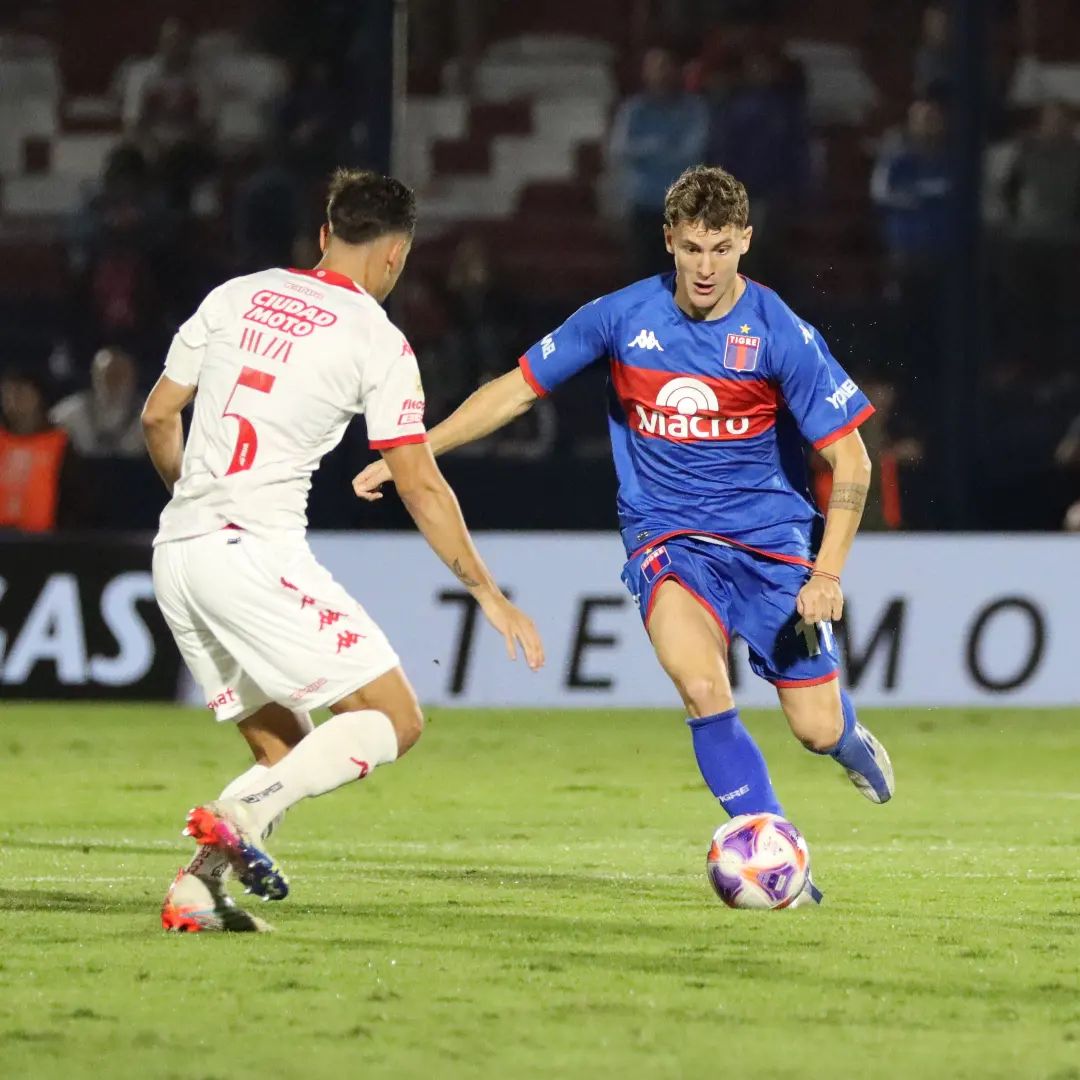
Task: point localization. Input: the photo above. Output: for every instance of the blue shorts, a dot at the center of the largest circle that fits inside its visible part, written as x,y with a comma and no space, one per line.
748,595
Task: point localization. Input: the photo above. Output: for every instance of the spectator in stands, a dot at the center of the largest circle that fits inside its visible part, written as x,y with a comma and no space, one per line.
104,420
1041,195
35,460
759,132
893,454
656,134
310,121
911,185
171,124
266,213
934,71
123,239
933,60
488,323
485,316
717,69
897,455
1043,185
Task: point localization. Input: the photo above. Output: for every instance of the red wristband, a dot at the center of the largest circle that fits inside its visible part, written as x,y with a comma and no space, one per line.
825,573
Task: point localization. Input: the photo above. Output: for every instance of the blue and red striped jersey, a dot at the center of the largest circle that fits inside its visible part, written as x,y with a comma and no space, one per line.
708,419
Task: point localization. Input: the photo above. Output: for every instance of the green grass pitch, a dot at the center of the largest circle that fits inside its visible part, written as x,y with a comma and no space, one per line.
524,895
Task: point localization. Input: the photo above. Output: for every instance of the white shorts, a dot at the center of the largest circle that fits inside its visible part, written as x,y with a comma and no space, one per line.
259,620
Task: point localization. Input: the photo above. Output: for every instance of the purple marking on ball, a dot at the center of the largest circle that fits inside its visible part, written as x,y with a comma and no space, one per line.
727,886
776,881
789,832
743,841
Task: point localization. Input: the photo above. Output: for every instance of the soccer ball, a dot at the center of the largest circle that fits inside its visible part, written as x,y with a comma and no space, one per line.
758,861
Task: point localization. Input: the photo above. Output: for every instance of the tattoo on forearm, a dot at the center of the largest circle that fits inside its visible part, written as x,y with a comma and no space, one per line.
848,497
462,576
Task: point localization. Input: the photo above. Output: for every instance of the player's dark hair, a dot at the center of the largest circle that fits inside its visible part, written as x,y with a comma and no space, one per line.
362,206
707,195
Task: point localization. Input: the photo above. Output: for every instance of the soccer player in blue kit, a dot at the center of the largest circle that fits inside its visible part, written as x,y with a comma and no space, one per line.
715,385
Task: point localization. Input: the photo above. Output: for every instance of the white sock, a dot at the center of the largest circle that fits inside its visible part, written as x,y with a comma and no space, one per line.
347,747
209,862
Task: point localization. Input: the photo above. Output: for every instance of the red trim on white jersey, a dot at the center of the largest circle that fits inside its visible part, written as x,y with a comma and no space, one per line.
794,560
530,378
401,440
860,417
331,277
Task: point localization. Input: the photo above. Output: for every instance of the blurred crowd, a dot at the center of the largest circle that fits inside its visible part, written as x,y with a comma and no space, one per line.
173,214
176,210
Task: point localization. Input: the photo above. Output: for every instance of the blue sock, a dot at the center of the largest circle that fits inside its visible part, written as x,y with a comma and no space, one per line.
851,751
732,764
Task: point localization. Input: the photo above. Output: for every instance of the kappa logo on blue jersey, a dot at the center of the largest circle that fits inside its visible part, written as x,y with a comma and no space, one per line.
645,340
741,352
656,562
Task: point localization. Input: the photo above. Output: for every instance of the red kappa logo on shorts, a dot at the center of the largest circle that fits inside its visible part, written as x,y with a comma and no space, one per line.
346,639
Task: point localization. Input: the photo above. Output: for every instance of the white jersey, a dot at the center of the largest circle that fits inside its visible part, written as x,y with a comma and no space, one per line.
283,360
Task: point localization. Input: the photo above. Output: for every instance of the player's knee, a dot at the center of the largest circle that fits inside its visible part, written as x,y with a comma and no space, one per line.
706,695
408,726
819,734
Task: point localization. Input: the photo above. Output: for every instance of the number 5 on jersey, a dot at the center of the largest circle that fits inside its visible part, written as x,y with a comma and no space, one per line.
247,442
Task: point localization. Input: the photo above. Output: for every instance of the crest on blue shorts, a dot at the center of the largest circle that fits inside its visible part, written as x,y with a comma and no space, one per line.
656,562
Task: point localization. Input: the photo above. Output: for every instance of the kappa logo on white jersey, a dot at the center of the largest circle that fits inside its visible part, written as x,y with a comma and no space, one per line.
646,339
839,398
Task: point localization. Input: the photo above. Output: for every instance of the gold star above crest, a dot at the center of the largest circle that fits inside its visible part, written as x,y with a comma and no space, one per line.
744,329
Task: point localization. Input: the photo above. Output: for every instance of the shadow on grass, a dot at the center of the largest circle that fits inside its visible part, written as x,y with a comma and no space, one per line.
84,847
40,900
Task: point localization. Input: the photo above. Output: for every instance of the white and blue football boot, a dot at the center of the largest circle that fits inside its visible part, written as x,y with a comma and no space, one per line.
810,894
874,777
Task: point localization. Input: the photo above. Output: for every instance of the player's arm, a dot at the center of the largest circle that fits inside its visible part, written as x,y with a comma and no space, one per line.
434,507
163,428
579,342
491,407
821,598
828,407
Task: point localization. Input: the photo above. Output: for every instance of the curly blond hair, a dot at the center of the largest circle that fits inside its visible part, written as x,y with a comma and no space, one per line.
708,195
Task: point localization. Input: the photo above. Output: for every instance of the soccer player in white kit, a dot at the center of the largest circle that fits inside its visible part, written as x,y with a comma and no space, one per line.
278,363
